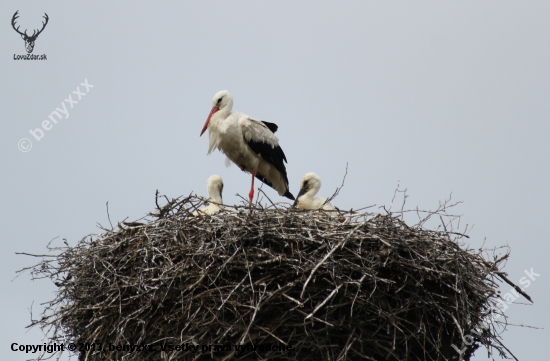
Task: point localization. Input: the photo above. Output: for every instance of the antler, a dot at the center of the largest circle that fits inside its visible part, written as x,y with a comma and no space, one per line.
44,23
15,16
43,26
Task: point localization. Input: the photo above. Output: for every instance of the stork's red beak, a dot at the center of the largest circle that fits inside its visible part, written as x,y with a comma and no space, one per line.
214,109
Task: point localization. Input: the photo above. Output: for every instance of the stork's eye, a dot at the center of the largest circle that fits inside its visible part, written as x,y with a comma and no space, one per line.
219,100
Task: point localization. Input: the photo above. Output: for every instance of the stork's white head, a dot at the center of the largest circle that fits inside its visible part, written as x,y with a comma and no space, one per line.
309,186
214,185
222,100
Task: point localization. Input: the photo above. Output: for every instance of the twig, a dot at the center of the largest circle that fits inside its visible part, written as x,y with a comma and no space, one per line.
108,216
337,191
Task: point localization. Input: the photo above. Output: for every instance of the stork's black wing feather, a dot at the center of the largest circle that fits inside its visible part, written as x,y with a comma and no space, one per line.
274,156
272,126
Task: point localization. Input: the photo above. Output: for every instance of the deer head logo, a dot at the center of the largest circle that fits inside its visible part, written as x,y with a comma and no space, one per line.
29,40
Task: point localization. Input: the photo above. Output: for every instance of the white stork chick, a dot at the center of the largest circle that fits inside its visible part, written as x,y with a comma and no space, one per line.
309,186
214,185
247,142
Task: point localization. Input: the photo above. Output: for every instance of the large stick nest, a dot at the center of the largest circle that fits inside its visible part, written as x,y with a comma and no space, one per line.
359,286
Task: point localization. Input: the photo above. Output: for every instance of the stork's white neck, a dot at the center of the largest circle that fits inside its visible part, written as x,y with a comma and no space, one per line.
310,194
225,111
216,198
214,194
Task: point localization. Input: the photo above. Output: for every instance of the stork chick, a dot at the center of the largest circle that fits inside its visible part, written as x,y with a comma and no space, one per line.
309,186
214,185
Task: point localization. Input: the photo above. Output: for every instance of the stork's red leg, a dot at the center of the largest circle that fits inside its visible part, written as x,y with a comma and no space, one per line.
251,194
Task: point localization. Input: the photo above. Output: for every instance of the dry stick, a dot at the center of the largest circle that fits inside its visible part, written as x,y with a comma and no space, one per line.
315,318
261,190
327,256
505,279
251,320
344,352
394,195
34,255
230,293
354,298
381,240
502,275
506,348
360,209
108,216
157,200
272,335
337,189
300,304
325,301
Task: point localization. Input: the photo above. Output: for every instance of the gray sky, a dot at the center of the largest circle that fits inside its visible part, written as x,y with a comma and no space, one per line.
441,97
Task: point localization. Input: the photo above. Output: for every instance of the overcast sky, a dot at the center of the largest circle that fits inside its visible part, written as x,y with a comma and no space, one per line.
441,97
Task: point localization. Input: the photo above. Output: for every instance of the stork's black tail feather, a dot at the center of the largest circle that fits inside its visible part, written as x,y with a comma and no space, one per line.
287,194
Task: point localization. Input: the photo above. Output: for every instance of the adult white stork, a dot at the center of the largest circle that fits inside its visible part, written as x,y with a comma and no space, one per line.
309,186
214,186
249,143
